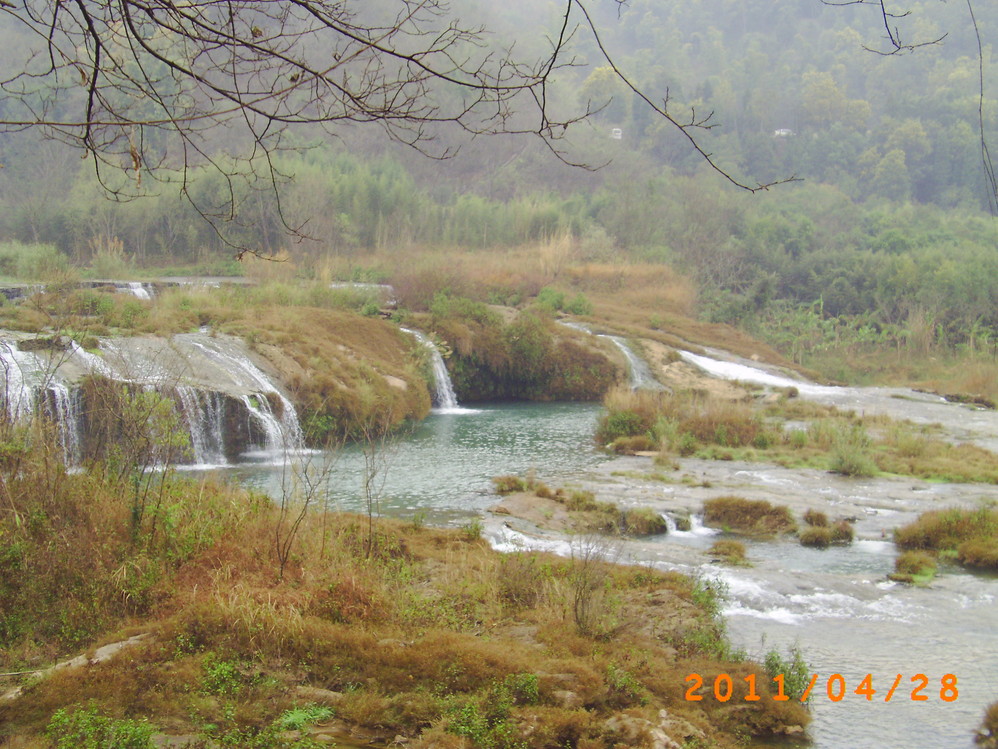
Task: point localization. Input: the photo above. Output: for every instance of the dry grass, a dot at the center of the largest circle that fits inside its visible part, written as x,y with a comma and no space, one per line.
754,517
969,535
914,567
398,634
728,551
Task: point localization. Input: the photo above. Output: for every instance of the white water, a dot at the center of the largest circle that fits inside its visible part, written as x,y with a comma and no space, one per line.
641,376
282,431
203,411
963,422
22,374
66,416
444,397
639,373
194,371
139,290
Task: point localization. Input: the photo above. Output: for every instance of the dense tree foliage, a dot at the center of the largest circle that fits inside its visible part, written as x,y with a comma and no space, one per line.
886,238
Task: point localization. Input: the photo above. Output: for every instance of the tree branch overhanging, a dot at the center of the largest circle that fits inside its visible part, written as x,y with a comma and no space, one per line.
149,87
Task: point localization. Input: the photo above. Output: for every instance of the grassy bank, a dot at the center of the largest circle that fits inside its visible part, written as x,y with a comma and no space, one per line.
788,432
263,632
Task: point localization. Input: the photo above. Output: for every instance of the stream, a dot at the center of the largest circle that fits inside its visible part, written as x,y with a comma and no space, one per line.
836,604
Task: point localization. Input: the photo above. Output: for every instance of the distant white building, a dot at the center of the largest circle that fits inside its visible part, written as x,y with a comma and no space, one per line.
783,132
617,133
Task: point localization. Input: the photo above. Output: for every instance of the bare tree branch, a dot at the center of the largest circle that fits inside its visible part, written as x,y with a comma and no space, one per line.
153,88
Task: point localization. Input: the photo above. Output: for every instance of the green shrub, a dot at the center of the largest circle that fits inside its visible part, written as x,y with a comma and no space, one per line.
797,439
850,453
581,501
945,530
509,484
579,305
631,445
551,299
85,728
796,674
299,718
915,563
618,424
914,567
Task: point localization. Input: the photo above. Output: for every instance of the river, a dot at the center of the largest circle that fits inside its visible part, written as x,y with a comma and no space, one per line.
836,604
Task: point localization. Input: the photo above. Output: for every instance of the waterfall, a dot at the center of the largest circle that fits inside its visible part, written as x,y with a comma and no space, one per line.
641,377
640,373
140,290
444,398
20,371
282,431
203,412
63,408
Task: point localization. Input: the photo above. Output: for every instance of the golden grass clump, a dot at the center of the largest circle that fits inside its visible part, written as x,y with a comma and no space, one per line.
969,535
728,551
987,734
753,517
941,530
914,566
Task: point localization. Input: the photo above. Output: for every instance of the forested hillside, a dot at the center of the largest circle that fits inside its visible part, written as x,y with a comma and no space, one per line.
885,238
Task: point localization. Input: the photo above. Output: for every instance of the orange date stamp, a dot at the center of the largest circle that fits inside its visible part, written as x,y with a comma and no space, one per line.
916,688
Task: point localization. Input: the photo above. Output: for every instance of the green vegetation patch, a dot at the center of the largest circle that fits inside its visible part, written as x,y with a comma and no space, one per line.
527,358
917,567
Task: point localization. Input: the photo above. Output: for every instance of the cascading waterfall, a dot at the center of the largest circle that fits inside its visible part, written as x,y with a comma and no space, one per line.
65,413
21,370
282,432
204,378
203,411
640,374
140,290
444,398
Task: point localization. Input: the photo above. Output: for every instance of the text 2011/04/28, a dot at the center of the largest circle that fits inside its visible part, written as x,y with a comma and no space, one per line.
921,688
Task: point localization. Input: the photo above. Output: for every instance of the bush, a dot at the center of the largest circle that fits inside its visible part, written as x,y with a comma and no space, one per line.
748,516
797,439
913,566
632,445
979,553
643,521
816,537
842,532
729,551
509,484
945,530
618,424
820,536
579,305
987,735
850,455
816,518
915,563
796,674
